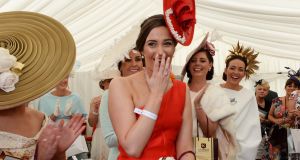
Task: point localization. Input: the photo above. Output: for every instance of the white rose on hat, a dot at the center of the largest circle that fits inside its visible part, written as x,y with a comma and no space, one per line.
6,60
42,46
8,80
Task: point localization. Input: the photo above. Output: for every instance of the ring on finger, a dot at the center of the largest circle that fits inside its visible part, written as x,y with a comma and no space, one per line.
166,73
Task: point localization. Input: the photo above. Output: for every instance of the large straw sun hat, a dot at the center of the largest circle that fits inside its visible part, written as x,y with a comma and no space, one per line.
43,45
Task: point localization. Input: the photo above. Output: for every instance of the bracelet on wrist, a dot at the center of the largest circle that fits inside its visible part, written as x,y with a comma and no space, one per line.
145,113
149,114
138,111
187,152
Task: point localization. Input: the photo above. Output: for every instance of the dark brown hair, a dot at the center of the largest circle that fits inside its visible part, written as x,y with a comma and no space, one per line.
146,27
233,57
210,74
102,81
291,81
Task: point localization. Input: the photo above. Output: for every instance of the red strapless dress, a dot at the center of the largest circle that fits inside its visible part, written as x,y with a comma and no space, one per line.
162,142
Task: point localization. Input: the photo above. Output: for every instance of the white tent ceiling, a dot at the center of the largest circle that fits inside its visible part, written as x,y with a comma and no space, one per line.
272,27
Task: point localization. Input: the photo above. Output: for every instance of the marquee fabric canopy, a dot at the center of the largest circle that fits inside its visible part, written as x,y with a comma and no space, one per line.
271,27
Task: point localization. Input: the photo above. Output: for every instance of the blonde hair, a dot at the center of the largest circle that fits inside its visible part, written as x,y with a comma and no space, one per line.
264,84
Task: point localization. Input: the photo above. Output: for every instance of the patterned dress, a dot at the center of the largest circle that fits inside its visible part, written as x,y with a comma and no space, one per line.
17,146
278,137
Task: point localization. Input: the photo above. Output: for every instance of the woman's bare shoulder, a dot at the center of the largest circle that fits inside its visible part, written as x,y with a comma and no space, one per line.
36,114
125,82
119,82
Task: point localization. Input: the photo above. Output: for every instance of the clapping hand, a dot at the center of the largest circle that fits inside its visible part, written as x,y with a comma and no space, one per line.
55,139
199,97
47,142
69,132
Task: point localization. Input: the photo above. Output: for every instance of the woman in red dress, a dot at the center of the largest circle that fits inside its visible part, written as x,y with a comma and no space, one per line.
150,112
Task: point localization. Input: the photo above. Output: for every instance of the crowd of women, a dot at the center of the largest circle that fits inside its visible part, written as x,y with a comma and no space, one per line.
278,116
156,115
145,112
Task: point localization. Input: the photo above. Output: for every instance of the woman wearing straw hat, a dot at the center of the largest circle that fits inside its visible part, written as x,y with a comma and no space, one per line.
36,52
210,105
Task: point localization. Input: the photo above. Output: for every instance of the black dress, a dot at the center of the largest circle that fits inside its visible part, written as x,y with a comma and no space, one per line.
264,111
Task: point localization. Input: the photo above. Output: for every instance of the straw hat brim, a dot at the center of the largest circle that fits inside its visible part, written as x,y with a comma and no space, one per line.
191,54
44,46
